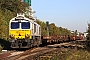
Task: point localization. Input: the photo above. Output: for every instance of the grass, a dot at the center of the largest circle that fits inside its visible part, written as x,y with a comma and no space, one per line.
66,55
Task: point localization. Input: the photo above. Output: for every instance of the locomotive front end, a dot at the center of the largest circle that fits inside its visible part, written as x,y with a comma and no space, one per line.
20,32
16,33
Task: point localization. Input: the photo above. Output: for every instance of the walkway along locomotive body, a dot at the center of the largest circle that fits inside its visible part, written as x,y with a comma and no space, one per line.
23,32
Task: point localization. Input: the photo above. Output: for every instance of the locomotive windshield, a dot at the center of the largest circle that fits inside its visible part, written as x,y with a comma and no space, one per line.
14,25
25,25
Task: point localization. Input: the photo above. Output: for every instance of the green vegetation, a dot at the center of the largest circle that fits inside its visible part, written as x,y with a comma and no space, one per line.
66,55
88,36
53,29
8,10
5,44
1,48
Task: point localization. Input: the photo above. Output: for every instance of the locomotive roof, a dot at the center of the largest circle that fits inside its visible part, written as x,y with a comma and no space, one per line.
22,17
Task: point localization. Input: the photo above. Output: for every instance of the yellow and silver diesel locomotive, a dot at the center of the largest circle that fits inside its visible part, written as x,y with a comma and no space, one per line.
23,32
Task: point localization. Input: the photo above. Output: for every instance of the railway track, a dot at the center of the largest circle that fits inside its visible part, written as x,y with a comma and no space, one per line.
35,52
29,53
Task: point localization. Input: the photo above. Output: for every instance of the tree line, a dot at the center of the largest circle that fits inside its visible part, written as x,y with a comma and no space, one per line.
53,29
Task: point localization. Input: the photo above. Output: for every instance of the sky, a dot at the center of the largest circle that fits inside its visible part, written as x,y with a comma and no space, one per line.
70,14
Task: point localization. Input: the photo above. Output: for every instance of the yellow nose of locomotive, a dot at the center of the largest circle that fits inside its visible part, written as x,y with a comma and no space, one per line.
20,34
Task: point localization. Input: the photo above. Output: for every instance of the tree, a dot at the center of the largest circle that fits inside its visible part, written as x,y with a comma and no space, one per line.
8,10
75,32
3,27
88,36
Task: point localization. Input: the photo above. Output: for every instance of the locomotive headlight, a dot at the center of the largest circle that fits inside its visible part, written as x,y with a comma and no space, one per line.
12,35
27,35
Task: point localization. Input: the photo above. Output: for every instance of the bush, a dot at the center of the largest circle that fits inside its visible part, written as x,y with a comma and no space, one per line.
1,48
